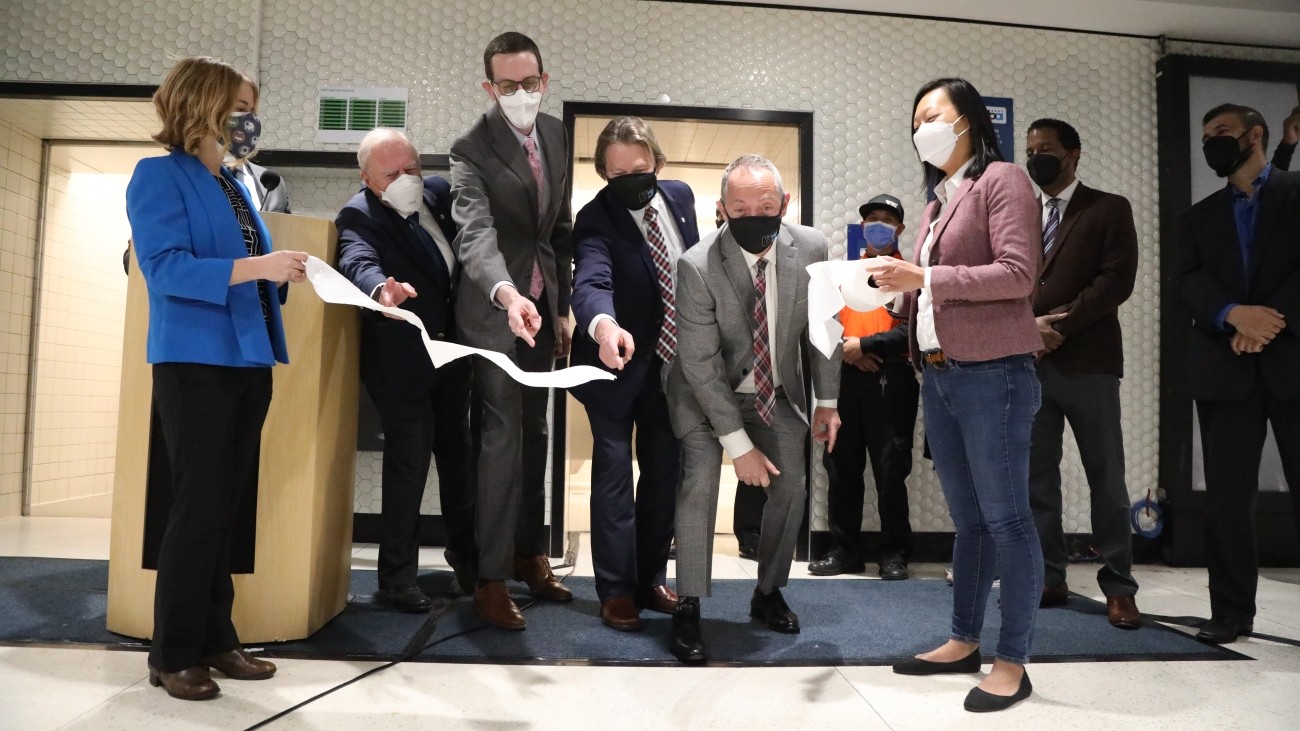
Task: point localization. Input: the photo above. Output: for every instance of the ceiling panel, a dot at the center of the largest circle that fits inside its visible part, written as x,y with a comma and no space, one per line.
132,121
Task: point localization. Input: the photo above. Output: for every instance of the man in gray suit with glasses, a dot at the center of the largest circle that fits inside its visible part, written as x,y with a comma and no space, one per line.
510,184
738,384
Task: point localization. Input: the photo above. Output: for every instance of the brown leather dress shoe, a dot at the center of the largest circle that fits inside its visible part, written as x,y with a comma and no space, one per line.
620,613
190,684
536,572
658,599
1055,596
239,665
493,604
1123,612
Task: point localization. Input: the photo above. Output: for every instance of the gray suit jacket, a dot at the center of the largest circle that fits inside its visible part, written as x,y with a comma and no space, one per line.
715,341
495,206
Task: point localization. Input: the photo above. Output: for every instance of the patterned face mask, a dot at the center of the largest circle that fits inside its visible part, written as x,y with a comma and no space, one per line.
245,128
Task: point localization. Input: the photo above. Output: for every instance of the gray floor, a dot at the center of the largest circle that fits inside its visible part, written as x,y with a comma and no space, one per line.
70,688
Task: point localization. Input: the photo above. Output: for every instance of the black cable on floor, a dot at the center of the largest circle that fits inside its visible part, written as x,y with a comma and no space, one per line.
418,644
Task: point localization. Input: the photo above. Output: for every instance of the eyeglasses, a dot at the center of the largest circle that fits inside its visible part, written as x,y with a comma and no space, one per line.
506,87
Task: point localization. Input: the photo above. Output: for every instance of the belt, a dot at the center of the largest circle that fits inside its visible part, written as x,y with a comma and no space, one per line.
935,358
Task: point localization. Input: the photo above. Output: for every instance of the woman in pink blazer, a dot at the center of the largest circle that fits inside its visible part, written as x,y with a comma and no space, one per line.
973,337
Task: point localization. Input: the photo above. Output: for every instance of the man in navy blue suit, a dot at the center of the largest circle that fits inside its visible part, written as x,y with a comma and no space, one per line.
394,244
625,244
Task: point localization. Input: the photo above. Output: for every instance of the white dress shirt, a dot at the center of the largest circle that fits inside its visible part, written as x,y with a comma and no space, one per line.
672,239
926,338
1064,200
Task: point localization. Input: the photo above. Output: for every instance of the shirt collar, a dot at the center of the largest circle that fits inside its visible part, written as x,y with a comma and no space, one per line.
1257,183
520,136
948,187
1064,196
752,259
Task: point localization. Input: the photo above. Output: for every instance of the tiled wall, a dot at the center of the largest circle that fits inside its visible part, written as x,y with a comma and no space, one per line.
20,173
856,73
79,336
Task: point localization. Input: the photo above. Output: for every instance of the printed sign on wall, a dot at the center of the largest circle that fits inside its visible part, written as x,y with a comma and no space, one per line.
1004,118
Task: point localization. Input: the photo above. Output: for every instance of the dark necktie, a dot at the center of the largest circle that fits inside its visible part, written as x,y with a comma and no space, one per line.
442,272
666,347
764,391
1053,221
536,282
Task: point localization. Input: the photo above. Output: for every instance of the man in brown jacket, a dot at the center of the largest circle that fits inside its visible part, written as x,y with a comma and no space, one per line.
1090,256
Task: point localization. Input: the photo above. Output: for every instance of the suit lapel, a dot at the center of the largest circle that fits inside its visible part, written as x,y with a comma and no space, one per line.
625,222
787,290
1083,198
507,147
733,263
555,149
1224,233
949,209
1270,210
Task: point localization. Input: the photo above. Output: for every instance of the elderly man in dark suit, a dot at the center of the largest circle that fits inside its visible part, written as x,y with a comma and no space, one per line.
395,244
625,243
1240,254
738,385
1090,258
510,185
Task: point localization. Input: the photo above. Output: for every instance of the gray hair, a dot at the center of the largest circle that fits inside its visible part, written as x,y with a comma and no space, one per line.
380,136
752,162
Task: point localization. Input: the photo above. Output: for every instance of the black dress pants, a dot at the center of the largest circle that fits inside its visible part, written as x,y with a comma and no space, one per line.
418,426
1232,440
877,418
211,418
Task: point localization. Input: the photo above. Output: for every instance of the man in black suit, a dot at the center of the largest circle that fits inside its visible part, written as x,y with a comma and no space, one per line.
1240,251
1090,259
394,244
625,243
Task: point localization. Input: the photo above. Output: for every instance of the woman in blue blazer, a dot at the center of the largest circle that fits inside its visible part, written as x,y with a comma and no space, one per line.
214,333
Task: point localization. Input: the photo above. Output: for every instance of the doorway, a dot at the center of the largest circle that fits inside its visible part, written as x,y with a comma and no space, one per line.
699,143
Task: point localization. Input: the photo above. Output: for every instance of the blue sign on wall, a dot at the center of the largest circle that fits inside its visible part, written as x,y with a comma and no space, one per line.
1004,119
856,242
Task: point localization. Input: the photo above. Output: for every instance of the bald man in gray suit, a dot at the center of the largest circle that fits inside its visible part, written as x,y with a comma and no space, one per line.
738,384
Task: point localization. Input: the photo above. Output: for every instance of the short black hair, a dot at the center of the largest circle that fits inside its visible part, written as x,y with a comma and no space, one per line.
509,42
984,141
1248,116
1066,134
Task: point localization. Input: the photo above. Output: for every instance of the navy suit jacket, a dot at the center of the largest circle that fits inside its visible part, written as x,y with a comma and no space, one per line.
186,242
614,275
375,243
1213,277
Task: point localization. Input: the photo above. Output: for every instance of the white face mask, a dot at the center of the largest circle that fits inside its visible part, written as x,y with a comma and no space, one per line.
405,194
520,108
935,141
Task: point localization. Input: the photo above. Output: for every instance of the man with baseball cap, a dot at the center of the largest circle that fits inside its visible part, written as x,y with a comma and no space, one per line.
878,400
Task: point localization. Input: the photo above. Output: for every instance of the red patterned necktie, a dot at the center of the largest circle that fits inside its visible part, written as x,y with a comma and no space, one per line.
764,392
537,283
666,347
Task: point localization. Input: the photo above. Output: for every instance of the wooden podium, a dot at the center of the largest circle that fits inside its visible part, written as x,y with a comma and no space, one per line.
305,485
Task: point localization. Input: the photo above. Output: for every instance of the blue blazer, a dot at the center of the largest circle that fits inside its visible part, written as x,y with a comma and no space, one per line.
614,274
375,243
186,241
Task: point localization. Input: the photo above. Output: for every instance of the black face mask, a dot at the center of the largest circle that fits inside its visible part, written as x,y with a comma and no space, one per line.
634,190
1225,155
755,233
1043,169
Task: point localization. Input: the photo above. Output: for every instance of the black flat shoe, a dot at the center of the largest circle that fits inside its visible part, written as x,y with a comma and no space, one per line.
404,598
978,701
1220,631
772,610
685,641
917,666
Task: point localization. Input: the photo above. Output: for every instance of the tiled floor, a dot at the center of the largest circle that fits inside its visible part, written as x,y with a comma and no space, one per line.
73,688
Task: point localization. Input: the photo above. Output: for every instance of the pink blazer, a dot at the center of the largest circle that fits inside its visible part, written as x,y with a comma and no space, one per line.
987,250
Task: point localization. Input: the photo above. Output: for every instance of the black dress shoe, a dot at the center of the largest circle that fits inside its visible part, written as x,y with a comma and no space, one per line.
836,563
685,641
749,545
893,568
404,598
917,666
465,569
979,701
1054,596
1220,631
775,613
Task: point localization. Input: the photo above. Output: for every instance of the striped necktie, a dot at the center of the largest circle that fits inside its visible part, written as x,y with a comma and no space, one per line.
1053,221
764,392
666,347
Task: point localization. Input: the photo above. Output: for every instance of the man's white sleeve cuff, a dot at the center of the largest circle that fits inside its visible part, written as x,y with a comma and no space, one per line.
492,296
591,329
736,443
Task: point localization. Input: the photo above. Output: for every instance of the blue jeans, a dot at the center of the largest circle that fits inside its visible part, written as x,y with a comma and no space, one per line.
978,418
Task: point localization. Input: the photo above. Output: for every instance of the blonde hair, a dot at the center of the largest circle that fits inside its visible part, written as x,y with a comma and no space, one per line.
194,102
627,131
